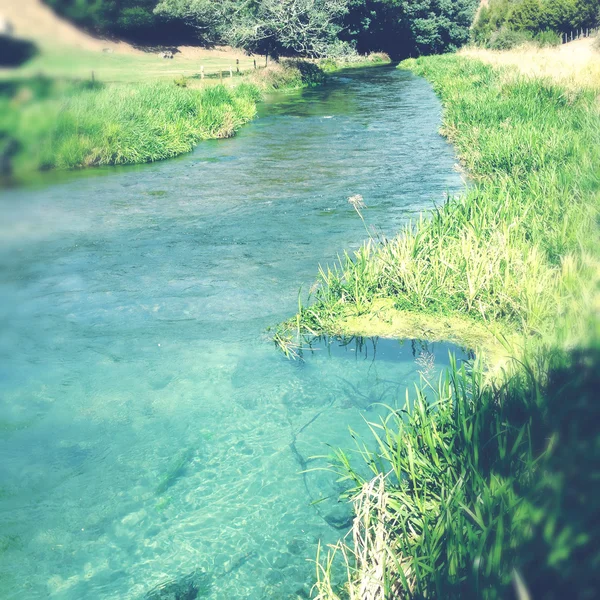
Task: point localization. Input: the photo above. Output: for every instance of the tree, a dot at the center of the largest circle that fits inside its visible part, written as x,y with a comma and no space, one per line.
527,15
307,27
439,25
129,19
403,27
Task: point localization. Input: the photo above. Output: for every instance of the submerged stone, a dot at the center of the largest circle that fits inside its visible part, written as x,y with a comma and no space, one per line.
190,587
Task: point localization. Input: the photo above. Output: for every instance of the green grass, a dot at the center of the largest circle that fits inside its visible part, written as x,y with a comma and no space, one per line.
78,125
484,487
53,124
475,489
517,248
330,65
55,61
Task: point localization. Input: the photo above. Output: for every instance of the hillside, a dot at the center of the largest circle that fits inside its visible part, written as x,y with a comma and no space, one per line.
111,60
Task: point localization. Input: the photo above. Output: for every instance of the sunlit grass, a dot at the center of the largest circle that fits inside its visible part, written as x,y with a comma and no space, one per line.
483,487
518,248
115,67
94,125
54,124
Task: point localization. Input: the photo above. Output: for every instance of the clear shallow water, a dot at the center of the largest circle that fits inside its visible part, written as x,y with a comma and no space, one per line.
147,425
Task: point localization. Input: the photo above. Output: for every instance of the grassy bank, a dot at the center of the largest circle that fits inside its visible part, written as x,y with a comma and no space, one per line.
354,61
482,487
512,253
53,124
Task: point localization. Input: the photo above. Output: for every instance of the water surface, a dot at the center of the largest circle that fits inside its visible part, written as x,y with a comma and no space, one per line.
148,427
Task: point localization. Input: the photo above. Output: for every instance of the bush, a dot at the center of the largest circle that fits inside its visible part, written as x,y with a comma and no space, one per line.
288,74
15,52
548,38
506,39
181,81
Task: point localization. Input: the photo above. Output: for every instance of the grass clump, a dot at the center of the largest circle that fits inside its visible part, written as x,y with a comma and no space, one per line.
288,74
68,125
478,491
330,65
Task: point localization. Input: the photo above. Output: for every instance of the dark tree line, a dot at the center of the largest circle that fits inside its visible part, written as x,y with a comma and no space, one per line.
133,20
307,27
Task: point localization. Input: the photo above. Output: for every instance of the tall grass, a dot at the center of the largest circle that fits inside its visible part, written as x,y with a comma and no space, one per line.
478,491
62,125
121,124
516,249
484,487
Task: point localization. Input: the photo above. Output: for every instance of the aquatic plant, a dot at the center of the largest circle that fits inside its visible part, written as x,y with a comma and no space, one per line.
193,586
174,471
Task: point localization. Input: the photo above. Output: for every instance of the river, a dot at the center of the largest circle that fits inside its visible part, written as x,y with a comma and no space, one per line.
149,429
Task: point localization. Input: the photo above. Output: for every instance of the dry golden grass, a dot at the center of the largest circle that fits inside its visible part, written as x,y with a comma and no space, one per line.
575,65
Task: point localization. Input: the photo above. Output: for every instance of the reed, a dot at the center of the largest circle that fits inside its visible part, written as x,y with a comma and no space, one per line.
483,487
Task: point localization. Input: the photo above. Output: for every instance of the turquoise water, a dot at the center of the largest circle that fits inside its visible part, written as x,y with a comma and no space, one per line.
148,427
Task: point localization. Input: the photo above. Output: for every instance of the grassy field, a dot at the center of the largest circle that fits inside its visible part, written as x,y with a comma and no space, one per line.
483,487
57,61
66,52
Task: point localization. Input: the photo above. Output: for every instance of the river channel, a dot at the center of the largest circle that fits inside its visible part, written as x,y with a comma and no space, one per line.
150,432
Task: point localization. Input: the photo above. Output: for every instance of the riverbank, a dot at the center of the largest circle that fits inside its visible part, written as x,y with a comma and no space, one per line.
82,101
53,124
514,251
49,123
480,485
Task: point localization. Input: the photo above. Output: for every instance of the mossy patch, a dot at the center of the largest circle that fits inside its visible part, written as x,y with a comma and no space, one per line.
383,319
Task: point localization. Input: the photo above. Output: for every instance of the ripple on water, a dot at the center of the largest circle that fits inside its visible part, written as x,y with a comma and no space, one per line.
150,436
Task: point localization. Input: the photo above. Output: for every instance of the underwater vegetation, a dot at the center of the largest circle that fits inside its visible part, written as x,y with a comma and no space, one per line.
175,470
192,586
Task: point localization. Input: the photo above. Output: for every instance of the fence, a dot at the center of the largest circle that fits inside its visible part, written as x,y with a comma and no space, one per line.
578,34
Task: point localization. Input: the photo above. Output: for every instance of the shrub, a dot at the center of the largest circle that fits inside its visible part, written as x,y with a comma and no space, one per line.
181,81
506,39
548,38
15,52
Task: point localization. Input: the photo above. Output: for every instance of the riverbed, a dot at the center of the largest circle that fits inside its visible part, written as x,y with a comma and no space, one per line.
150,431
